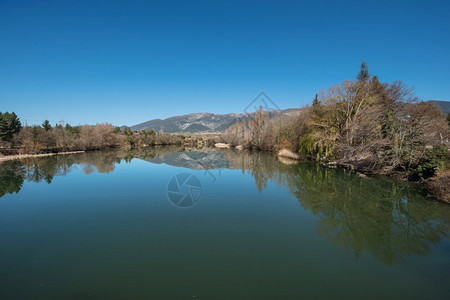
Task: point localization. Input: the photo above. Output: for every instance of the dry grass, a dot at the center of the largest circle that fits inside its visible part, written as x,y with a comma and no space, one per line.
288,153
20,156
439,185
222,145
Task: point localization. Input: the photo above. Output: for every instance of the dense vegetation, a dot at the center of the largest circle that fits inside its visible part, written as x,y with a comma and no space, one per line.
15,139
360,124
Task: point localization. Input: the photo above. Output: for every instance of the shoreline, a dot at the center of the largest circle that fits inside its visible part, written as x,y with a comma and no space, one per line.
23,156
436,186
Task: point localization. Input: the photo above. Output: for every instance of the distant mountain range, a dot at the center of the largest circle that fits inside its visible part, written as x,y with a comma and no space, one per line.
216,123
444,105
203,122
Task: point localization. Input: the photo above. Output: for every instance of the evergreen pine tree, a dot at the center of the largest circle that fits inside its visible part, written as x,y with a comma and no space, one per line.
363,74
9,125
316,101
46,125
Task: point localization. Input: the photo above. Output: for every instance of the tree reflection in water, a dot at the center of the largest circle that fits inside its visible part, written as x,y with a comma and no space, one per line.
384,217
11,177
387,218
14,173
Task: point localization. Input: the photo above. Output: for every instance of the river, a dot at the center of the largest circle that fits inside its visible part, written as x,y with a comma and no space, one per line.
168,223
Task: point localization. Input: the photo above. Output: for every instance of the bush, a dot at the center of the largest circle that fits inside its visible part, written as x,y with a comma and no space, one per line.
435,159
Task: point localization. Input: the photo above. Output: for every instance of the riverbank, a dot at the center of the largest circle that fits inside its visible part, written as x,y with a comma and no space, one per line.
437,186
22,156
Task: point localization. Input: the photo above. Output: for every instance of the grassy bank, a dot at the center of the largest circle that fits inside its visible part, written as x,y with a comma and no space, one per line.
22,156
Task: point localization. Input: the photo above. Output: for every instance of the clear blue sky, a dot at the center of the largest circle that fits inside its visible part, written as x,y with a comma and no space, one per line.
126,62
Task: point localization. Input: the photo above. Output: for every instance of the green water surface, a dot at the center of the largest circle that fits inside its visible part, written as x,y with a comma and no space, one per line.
101,225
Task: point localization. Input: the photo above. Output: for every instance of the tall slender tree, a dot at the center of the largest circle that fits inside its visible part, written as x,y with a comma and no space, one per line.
363,74
316,101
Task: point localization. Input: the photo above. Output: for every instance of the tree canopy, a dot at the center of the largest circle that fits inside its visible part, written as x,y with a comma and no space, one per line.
46,125
363,74
9,125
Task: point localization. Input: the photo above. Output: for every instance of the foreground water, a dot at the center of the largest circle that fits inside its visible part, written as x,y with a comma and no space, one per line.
165,224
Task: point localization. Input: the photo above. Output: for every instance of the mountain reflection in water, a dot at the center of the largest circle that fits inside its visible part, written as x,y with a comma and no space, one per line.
384,217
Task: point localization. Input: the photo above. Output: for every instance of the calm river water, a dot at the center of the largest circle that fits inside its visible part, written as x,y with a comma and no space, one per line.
214,224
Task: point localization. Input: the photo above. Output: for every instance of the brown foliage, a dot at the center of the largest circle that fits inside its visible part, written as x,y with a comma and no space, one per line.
265,133
370,126
439,185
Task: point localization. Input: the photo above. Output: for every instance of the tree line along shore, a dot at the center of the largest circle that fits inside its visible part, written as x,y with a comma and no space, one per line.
17,140
362,125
